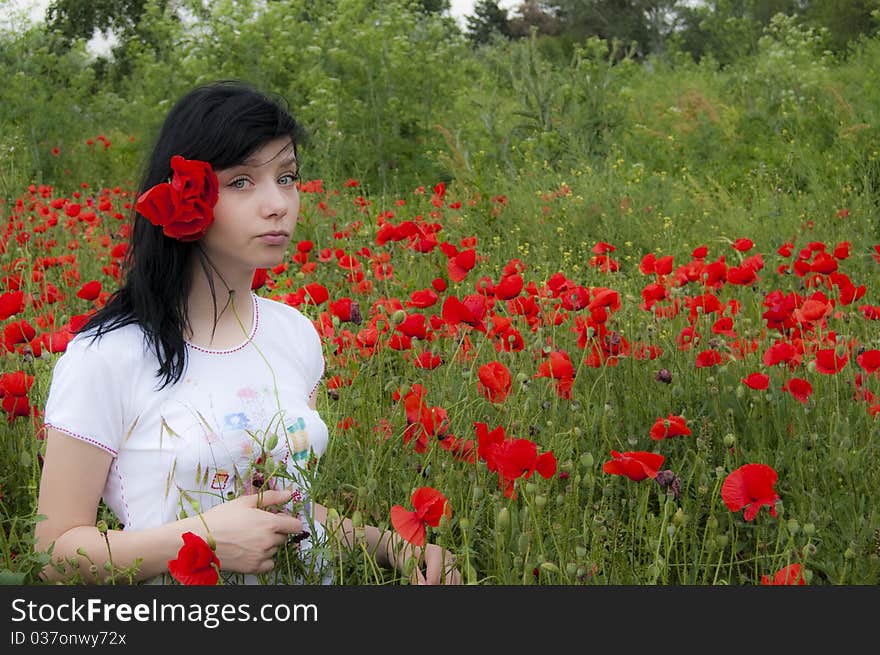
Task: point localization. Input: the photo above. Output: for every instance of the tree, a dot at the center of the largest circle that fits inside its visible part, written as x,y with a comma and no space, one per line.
538,15
644,22
79,19
845,20
488,19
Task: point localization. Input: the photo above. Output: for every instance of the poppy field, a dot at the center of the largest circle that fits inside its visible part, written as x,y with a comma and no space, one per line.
700,412
585,321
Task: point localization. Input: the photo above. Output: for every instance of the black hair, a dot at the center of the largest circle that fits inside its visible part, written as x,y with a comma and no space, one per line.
221,123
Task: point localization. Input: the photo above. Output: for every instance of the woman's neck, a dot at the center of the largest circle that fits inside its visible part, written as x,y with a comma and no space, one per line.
234,313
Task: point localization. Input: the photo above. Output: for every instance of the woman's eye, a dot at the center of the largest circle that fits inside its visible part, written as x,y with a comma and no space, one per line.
238,183
288,178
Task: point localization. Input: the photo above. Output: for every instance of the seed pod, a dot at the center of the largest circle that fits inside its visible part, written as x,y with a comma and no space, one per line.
550,566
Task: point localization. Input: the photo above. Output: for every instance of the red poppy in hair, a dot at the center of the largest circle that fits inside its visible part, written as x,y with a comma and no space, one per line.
750,486
429,506
183,207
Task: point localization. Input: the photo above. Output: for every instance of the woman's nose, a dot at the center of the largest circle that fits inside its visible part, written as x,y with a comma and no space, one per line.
274,203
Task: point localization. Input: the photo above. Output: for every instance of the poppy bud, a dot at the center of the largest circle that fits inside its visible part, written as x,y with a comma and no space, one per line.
793,526
712,523
571,569
464,523
722,540
502,520
357,518
363,492
272,441
580,551
849,553
398,317
729,440
809,529
550,566
587,460
680,518
523,543
102,526
540,501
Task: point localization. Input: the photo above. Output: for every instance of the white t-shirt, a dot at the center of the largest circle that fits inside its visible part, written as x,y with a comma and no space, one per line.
204,438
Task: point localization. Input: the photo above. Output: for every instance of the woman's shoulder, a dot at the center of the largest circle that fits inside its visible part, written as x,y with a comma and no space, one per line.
273,310
120,344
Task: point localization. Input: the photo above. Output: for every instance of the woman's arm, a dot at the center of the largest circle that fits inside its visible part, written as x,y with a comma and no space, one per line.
391,550
73,478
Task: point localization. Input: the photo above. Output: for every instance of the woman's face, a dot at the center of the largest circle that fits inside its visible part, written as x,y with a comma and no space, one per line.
256,210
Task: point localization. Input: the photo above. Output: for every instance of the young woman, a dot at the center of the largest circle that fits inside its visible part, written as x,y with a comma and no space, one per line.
188,402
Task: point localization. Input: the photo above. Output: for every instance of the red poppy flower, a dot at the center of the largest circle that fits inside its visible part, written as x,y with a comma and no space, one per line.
196,563
11,303
427,360
184,207
430,506
519,458
671,426
455,311
422,299
345,309
799,388
869,360
828,362
460,264
790,575
756,381
750,486
743,245
871,312
508,287
708,358
636,465
780,353
558,366
259,279
494,381
315,293
814,309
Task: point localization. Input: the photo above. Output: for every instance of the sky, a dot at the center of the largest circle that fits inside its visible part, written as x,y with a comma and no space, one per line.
36,10
460,8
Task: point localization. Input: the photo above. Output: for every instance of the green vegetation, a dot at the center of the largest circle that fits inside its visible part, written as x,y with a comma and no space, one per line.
546,146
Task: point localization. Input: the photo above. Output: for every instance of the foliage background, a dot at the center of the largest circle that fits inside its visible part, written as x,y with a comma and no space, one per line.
680,124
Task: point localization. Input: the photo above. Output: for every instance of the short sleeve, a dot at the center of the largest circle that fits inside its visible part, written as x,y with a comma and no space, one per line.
85,398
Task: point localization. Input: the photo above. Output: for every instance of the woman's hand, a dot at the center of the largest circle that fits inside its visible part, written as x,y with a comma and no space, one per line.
248,536
434,565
